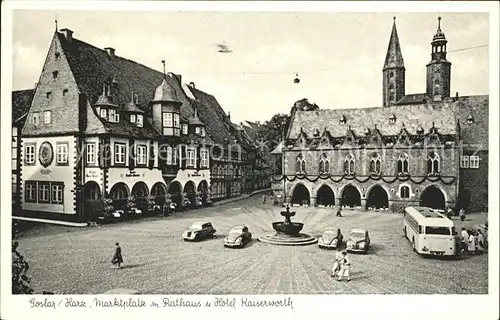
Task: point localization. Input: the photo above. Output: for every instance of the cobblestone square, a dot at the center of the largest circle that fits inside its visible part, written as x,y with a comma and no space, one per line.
158,261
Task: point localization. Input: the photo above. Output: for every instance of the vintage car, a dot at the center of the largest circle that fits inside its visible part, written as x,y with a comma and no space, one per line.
199,231
331,239
359,241
238,237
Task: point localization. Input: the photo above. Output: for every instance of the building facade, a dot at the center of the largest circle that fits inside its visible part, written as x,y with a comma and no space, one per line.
104,127
417,149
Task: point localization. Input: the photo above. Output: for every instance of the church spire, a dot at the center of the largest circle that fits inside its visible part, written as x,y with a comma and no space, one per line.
394,57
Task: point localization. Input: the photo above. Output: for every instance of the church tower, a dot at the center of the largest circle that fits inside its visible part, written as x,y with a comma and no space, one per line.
394,71
439,69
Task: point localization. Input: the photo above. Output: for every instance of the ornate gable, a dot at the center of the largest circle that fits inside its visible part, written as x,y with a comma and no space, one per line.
326,140
350,138
301,141
433,137
375,137
404,137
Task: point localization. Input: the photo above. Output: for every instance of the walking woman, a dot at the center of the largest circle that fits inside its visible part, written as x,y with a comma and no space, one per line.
117,258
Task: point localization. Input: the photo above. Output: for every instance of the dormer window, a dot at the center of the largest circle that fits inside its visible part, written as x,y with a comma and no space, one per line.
113,116
316,132
184,129
392,118
139,121
54,74
132,118
367,131
197,130
342,120
470,119
103,113
420,130
202,132
57,54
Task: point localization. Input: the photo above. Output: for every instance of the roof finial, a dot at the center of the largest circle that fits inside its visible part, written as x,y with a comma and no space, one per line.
132,97
103,89
439,23
394,19
56,23
164,72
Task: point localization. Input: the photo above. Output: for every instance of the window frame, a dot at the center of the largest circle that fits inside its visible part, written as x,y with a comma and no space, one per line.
167,119
34,191
139,121
132,118
26,146
190,161
35,118
53,188
39,191
91,154
204,158
104,113
139,155
465,161
176,121
60,145
402,193
47,117
474,162
184,129
116,147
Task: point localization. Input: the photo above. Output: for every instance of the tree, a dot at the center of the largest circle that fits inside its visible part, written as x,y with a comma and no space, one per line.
273,131
21,283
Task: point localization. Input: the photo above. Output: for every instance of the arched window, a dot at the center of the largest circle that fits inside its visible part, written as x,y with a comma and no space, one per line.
349,164
375,163
301,164
324,164
403,167
391,86
404,192
433,164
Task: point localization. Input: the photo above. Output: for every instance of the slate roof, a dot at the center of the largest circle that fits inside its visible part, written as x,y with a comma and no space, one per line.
21,102
441,115
414,98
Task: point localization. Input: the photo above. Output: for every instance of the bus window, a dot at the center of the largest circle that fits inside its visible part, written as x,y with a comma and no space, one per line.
438,230
453,231
420,230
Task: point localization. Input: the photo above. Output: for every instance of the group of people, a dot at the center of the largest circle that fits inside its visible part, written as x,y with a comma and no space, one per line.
341,266
472,241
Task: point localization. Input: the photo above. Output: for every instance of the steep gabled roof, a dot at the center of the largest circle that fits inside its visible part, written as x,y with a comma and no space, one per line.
414,98
21,102
411,116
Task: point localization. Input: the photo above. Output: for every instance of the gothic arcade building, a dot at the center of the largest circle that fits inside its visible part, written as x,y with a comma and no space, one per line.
426,149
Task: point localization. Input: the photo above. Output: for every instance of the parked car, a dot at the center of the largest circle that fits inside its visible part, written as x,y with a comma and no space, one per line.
199,231
238,237
332,238
359,241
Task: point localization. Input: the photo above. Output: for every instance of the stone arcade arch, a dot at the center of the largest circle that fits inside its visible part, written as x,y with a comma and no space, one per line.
92,200
190,191
433,197
300,195
203,189
141,193
119,193
175,190
158,191
350,196
377,198
325,196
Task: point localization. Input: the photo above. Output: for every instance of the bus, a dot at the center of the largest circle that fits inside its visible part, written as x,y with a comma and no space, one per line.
430,232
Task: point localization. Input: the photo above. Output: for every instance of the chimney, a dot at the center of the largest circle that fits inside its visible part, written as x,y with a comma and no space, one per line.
191,84
179,77
229,115
68,34
110,51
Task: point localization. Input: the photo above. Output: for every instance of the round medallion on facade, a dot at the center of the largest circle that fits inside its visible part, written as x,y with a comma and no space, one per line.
46,154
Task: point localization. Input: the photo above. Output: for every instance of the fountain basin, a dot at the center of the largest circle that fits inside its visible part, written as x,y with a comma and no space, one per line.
301,239
288,228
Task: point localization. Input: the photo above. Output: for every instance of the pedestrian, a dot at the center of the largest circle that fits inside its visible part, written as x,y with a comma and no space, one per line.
461,213
480,241
449,213
345,267
472,242
464,240
339,211
117,258
264,199
336,263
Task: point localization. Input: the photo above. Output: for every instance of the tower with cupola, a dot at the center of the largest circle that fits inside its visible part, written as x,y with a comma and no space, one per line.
438,69
393,71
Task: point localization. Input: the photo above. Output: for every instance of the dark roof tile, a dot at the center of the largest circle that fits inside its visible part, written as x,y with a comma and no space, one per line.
21,102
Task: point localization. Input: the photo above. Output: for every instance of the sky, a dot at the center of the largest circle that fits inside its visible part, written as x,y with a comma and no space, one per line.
337,56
